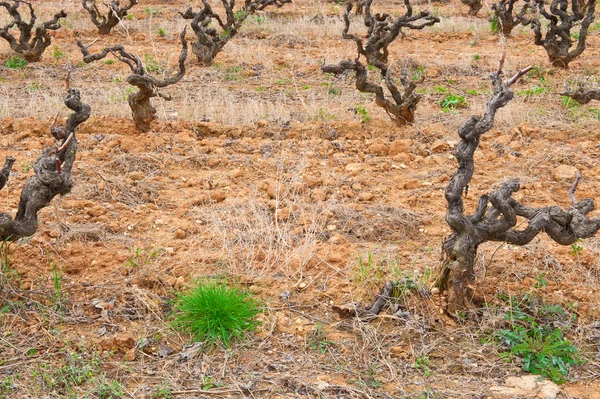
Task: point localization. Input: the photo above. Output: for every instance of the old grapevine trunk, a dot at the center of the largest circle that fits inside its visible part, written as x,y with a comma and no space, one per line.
496,215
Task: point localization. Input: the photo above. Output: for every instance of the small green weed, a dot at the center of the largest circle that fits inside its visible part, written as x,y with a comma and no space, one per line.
57,282
322,115
162,391
452,101
76,370
576,247
569,103
368,268
150,11
259,19
234,69
15,62
210,383
212,311
109,390
533,337
422,363
143,256
364,114
239,14
151,65
533,91
35,86
57,53
317,340
494,24
417,73
225,33
594,113
476,57
540,281
161,32
6,385
429,393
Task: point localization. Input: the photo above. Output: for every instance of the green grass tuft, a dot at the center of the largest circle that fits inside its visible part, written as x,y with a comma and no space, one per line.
212,312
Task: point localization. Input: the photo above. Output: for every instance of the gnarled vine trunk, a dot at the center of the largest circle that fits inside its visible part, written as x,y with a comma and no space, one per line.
52,174
496,215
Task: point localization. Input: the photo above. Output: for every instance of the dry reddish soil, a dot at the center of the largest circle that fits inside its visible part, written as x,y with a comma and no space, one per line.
260,170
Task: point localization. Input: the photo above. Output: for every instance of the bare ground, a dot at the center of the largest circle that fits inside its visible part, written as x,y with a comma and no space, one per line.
259,170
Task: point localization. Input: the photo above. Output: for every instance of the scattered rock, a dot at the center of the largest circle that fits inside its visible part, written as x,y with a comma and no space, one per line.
180,234
136,175
312,181
527,386
400,351
366,196
412,184
378,148
399,146
440,146
96,211
564,173
118,343
346,192
354,167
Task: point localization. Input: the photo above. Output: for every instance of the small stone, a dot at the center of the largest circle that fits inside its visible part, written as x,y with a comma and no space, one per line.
136,175
312,181
366,196
130,355
564,173
262,123
302,285
399,351
412,184
399,146
96,211
353,167
440,146
378,148
179,234
347,191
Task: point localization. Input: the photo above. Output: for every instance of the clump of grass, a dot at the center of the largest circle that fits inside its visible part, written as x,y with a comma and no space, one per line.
212,311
